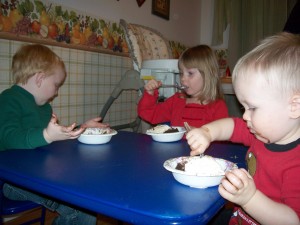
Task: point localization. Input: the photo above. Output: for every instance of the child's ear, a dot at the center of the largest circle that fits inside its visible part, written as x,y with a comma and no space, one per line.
39,77
295,106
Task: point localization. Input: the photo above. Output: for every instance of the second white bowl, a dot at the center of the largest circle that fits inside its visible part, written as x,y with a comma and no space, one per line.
168,137
95,139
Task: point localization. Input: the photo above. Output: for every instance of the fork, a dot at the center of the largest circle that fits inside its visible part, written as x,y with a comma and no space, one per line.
188,128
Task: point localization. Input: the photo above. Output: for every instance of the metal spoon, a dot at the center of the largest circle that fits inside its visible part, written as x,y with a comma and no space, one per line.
173,86
188,128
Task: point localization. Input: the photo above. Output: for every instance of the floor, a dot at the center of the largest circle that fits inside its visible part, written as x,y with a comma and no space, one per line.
101,219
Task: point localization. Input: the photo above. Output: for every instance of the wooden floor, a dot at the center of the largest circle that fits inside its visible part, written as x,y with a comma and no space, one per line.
101,219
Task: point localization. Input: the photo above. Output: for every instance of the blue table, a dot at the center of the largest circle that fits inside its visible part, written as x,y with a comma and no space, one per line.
124,179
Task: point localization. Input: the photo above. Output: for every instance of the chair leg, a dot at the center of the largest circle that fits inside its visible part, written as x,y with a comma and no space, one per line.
43,215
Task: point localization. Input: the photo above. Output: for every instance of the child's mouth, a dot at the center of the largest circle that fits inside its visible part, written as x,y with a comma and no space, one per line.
259,136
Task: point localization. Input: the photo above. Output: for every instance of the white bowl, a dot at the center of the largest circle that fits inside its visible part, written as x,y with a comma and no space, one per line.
197,180
95,139
168,137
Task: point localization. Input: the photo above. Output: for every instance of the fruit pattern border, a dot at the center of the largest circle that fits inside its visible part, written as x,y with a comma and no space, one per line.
49,23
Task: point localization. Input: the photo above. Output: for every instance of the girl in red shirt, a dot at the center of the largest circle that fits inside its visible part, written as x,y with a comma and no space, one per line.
199,103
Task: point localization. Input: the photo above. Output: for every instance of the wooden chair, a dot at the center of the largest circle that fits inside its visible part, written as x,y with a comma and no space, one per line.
10,208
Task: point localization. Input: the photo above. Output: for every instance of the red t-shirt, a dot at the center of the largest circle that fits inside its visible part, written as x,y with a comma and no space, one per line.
176,111
275,169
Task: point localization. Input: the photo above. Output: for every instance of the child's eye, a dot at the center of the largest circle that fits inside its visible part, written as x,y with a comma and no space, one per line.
251,108
191,73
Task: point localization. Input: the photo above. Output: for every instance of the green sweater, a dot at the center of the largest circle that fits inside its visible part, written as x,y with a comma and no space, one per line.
22,121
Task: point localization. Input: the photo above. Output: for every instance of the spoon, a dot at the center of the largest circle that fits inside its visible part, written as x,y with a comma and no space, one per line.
174,86
188,128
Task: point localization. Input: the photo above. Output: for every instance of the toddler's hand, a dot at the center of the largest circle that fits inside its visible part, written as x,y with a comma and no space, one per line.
237,186
95,123
198,139
152,85
56,132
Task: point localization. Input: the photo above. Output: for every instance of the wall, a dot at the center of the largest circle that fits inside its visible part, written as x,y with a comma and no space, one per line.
206,28
190,21
91,78
183,26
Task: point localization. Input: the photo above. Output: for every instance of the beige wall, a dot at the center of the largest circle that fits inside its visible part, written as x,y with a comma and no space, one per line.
185,16
90,81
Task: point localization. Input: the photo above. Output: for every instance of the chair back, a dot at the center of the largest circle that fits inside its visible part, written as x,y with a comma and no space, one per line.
145,43
129,81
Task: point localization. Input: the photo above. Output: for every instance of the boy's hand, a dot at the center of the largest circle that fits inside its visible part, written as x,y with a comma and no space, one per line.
152,85
198,139
95,123
237,186
56,132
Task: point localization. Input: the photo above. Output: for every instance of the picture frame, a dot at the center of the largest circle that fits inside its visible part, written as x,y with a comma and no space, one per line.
161,8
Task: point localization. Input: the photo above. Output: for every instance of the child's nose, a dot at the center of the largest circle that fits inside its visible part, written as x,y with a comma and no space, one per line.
246,115
182,77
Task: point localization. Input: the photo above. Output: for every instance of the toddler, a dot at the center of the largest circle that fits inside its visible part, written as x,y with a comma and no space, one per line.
267,84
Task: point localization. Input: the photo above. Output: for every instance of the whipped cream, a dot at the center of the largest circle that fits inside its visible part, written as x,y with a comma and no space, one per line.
97,131
159,129
205,165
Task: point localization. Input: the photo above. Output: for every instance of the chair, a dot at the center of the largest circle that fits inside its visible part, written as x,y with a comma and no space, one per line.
129,81
11,207
145,43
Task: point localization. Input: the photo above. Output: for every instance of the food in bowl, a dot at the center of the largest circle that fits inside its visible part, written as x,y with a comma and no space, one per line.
167,136
162,129
98,131
198,172
205,165
96,135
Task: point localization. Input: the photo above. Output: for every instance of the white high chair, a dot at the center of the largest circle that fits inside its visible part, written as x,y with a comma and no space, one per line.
144,44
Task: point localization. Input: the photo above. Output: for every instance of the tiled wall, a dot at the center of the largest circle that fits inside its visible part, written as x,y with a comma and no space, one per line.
91,78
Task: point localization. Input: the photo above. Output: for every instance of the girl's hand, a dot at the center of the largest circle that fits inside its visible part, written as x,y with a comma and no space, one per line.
151,86
94,123
198,139
237,186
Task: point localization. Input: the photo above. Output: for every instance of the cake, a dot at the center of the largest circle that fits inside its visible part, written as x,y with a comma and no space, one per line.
162,129
203,166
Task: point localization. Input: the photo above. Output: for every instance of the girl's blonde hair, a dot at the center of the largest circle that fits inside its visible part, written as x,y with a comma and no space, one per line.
32,59
277,59
204,59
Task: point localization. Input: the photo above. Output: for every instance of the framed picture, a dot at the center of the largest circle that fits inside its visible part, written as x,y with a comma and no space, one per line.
161,8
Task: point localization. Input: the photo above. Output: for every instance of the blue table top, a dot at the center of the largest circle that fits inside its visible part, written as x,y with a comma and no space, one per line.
124,178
